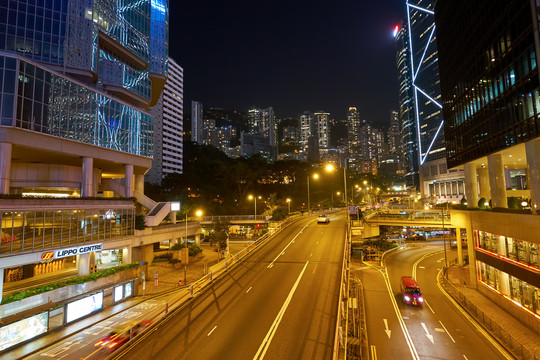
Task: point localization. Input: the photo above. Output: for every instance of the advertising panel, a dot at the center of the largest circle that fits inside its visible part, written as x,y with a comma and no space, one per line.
77,309
118,293
128,290
23,330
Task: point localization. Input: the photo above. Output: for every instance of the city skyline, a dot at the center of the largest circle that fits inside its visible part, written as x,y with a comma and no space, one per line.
279,62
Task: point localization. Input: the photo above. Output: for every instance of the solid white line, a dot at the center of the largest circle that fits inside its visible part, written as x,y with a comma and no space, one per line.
465,357
373,352
474,322
425,256
404,329
444,327
249,289
425,302
283,251
212,330
273,328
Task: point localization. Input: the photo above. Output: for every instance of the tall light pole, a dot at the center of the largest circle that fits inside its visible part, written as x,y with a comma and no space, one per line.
289,203
254,198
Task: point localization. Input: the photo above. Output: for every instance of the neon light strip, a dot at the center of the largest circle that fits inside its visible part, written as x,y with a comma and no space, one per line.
421,9
418,125
429,97
424,54
515,262
432,142
509,298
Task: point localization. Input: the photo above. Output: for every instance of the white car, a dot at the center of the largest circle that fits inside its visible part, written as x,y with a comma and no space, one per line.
324,219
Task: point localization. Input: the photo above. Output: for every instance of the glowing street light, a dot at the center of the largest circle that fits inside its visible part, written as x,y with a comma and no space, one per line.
251,197
289,203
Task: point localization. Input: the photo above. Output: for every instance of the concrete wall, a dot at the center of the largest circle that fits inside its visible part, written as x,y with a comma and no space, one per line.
65,293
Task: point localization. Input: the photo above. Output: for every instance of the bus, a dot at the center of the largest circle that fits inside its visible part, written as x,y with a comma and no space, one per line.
410,291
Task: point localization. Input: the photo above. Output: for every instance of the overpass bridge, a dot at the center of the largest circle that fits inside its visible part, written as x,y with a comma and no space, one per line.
232,219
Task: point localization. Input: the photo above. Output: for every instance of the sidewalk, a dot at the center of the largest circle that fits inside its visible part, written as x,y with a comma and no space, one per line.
168,280
516,337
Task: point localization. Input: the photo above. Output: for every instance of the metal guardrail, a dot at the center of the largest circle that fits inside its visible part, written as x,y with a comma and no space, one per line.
198,286
498,331
340,336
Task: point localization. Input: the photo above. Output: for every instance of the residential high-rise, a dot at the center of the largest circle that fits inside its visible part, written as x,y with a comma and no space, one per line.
267,127
353,128
490,89
436,182
254,121
196,122
305,131
409,137
322,121
168,127
394,134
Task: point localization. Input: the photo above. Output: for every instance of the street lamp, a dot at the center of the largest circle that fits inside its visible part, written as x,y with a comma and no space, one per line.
198,213
251,197
289,203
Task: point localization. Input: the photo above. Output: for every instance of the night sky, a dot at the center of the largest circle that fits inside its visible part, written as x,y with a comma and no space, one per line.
291,55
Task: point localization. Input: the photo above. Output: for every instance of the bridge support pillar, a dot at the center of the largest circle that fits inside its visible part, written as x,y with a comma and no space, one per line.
459,248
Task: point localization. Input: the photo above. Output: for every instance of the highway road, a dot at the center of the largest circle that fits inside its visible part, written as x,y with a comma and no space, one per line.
281,303
437,330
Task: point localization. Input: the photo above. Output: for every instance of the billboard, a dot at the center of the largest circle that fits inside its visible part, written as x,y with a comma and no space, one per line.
77,309
23,330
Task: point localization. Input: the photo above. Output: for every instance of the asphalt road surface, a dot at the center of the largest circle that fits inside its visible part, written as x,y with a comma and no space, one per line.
436,330
281,303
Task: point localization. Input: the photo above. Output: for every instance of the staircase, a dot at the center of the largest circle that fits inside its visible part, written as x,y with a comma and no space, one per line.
158,211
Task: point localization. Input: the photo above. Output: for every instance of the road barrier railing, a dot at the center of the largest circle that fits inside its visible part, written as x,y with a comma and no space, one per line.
497,330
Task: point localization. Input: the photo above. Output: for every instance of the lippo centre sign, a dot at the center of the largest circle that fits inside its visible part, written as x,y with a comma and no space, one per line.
79,250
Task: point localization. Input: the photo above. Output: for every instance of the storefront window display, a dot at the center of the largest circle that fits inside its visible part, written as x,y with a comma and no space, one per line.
109,258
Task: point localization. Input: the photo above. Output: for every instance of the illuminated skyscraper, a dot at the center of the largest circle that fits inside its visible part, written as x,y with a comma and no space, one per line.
85,72
428,107
353,128
409,137
196,122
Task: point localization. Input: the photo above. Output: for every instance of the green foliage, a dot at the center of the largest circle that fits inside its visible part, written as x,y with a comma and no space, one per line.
482,203
174,261
163,255
139,222
72,281
220,234
280,213
158,260
194,249
514,202
176,246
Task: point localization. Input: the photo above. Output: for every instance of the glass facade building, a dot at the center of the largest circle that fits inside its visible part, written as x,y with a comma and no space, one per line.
36,99
409,140
111,52
425,80
489,77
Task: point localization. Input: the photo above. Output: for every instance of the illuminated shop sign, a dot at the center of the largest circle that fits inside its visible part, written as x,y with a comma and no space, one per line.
79,250
23,330
77,309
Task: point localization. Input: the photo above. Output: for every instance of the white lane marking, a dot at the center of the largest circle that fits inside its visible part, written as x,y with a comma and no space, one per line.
404,329
211,331
440,260
311,255
430,308
386,330
444,327
421,267
273,328
429,336
249,289
465,357
373,352
283,251
425,256
480,329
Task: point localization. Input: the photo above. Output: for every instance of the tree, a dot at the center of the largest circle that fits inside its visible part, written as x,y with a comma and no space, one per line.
220,234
